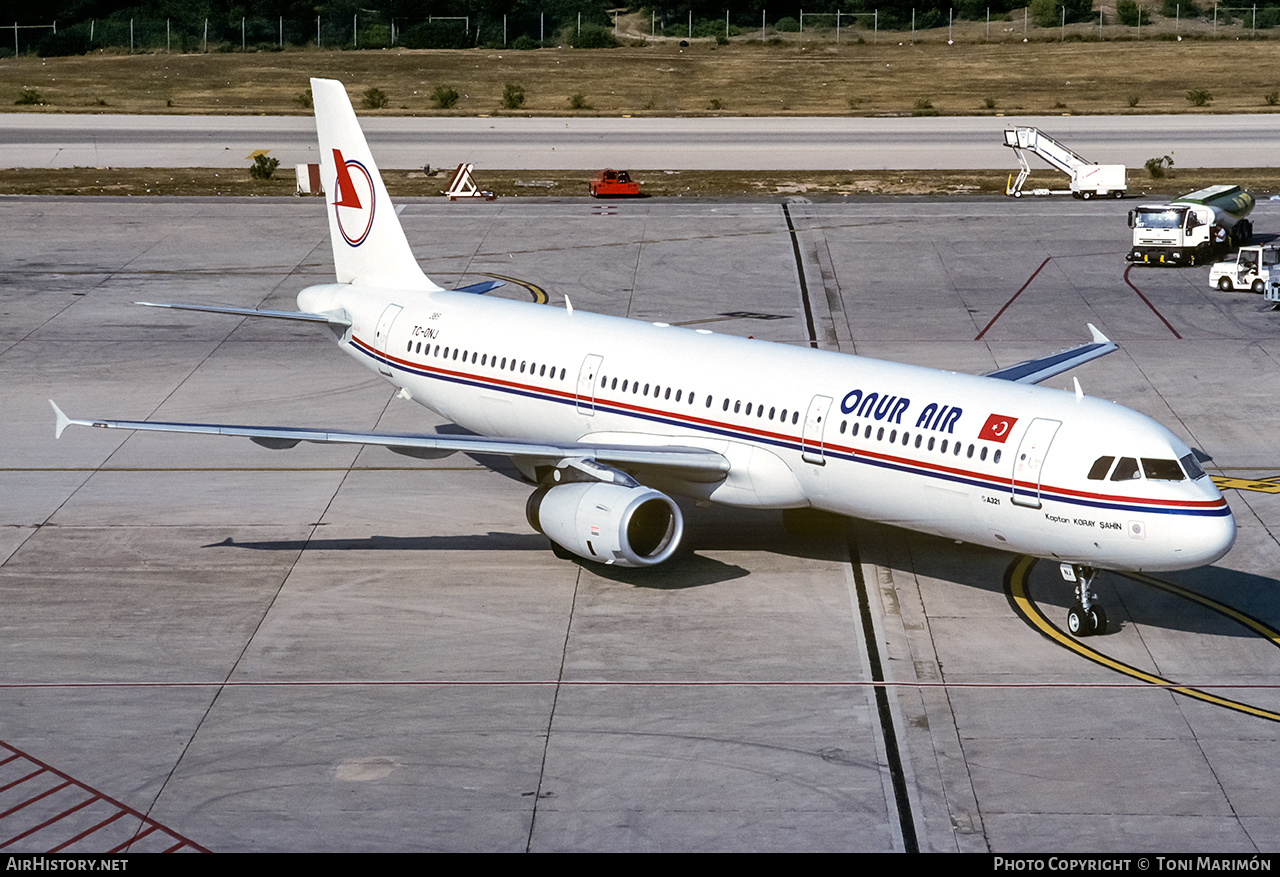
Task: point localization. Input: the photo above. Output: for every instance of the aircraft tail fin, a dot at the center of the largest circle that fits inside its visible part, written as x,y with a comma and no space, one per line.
369,246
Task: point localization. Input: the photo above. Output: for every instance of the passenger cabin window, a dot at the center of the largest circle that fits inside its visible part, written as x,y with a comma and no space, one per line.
1161,470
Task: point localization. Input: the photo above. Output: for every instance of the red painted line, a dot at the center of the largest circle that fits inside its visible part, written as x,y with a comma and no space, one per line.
88,831
1148,303
133,840
53,819
19,782
1010,301
29,802
121,807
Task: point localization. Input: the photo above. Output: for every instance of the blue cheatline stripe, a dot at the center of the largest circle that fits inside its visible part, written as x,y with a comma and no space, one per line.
971,479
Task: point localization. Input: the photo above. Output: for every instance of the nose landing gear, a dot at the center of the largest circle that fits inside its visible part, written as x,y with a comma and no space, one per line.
1086,616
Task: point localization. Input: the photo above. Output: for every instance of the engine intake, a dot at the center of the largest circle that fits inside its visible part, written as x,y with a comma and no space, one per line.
608,523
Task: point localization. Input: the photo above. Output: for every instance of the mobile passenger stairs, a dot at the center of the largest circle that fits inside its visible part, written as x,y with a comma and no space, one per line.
1087,178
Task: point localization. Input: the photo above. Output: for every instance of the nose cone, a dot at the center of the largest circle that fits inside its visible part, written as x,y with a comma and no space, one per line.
1197,541
1218,537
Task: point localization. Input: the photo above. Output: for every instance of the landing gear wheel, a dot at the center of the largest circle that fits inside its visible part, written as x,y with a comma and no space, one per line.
1086,616
1224,283
1079,622
1098,616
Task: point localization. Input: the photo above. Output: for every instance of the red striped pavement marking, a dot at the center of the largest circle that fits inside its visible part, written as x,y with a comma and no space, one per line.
43,810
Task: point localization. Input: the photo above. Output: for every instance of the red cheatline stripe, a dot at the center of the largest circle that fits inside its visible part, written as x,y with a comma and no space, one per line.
1010,301
1148,303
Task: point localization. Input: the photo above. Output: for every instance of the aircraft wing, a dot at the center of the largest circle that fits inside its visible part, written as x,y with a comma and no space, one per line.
1033,371
336,319
693,464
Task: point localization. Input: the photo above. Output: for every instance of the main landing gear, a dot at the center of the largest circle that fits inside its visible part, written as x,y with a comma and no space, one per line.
1086,616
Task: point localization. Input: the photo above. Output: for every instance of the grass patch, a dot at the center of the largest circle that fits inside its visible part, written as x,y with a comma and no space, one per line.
821,79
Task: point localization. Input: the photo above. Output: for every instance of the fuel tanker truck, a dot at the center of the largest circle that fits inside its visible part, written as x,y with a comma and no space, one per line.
1193,229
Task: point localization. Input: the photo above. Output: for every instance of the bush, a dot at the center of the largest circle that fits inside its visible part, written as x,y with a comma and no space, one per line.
593,36
1271,97
1134,99
523,42
374,99
714,27
512,96
1130,14
303,99
787,25
1199,97
579,102
28,97
1156,166
1048,13
445,96
435,35
73,40
930,19
263,167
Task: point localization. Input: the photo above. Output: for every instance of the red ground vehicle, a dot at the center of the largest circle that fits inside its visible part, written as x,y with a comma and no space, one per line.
613,184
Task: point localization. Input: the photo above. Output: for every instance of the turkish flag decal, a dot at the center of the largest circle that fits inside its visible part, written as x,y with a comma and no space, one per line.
997,428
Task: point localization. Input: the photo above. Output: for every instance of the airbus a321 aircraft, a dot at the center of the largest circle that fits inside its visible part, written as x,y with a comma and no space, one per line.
609,416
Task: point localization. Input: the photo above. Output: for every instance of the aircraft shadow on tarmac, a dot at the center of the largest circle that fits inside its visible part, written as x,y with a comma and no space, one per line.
1127,599
805,533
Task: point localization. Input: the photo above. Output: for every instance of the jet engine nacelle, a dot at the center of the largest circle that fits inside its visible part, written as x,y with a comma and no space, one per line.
609,523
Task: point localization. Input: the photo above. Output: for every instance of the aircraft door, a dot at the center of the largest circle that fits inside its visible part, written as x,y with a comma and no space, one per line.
383,333
1029,461
587,384
814,423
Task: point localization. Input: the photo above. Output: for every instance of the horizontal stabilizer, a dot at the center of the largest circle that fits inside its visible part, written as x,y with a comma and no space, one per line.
1033,371
695,464
482,287
335,319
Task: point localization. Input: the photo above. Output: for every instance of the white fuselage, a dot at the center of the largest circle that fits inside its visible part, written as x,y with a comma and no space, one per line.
978,459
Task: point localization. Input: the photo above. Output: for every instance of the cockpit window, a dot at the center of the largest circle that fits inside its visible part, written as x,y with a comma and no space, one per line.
1192,465
1126,470
1161,470
1101,467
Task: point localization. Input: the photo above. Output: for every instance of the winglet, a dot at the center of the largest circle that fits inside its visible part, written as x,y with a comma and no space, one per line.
1098,337
63,420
